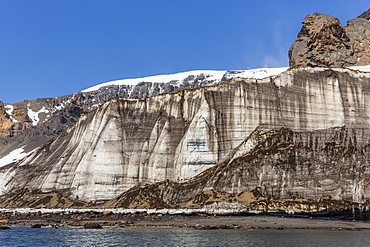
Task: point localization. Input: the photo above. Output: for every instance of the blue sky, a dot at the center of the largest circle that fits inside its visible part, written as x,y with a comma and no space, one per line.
50,48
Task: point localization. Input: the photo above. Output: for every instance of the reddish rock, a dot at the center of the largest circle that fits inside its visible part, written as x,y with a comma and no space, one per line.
323,41
108,212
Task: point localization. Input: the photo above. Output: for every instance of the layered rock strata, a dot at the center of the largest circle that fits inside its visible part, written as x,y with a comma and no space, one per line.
289,171
323,41
31,123
302,134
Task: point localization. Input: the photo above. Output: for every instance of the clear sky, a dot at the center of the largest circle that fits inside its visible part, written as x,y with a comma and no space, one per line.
50,48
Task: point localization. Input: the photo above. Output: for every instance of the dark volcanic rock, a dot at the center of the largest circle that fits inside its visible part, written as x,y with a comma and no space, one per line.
36,226
323,41
92,226
365,15
4,228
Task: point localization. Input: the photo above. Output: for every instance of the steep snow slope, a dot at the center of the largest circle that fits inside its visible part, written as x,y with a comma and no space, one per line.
13,156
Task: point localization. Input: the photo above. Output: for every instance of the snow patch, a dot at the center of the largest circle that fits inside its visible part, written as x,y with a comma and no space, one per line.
262,73
365,68
13,156
59,107
9,110
34,116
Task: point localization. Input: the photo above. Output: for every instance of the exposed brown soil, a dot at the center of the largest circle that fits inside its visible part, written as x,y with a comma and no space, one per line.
36,199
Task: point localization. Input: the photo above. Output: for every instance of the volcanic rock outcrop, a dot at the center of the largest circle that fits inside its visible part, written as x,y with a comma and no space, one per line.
30,123
300,135
365,15
323,41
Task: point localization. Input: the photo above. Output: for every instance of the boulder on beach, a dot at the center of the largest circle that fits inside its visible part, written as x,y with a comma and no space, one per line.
36,226
92,226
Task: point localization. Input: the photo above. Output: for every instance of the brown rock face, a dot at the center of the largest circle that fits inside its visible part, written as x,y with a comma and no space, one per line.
365,15
324,42
9,127
5,121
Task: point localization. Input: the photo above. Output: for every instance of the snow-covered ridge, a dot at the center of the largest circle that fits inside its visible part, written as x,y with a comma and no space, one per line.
214,76
210,75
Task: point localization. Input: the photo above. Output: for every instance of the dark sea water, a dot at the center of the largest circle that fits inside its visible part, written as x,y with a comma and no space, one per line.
115,236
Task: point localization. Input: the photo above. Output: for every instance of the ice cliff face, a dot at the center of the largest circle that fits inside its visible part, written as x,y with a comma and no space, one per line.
31,123
319,120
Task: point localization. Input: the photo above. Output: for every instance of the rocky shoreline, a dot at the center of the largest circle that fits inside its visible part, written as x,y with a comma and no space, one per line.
197,220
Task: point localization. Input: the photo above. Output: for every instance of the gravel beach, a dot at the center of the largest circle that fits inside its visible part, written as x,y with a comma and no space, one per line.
201,221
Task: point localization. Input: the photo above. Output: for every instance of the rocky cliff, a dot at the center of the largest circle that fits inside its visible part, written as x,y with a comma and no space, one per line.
323,41
304,172
302,135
